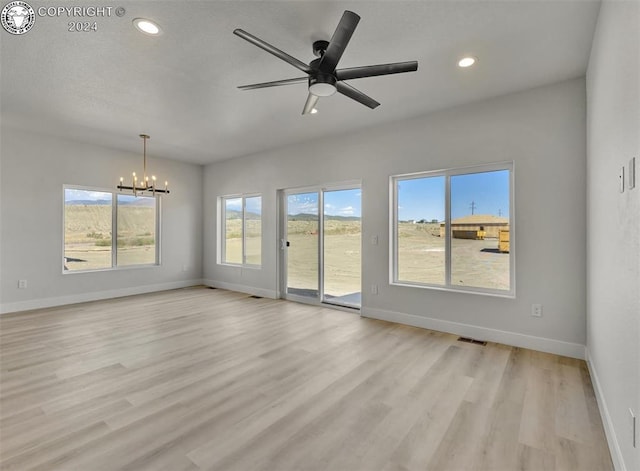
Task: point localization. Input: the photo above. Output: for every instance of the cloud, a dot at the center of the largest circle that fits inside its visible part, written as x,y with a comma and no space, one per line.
72,194
306,203
253,204
347,211
233,204
307,207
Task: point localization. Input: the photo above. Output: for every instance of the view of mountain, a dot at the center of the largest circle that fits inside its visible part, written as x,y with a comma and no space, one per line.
314,217
122,202
234,214
88,203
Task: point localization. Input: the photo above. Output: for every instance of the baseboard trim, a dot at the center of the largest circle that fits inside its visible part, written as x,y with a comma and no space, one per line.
42,303
609,430
265,293
558,347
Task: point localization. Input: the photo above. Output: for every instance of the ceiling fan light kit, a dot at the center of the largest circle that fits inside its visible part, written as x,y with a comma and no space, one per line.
322,85
323,78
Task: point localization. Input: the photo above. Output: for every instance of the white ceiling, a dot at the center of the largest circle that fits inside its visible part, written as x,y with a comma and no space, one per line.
106,87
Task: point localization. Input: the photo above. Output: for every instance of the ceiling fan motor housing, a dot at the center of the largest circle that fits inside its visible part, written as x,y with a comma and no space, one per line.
320,47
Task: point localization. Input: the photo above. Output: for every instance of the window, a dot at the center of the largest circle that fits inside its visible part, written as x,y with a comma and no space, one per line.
136,223
233,231
88,218
253,230
92,217
241,223
451,229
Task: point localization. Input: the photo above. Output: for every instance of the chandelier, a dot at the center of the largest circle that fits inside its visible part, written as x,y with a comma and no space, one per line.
143,186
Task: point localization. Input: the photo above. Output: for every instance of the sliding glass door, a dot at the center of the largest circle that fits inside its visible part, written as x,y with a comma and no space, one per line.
322,245
341,248
302,246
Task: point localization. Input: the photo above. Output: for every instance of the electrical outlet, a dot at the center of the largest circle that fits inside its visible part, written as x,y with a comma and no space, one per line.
621,179
374,289
22,284
536,310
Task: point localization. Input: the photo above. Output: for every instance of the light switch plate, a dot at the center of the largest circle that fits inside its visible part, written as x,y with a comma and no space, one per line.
632,174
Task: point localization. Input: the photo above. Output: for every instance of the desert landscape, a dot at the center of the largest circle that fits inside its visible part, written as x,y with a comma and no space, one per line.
475,263
88,237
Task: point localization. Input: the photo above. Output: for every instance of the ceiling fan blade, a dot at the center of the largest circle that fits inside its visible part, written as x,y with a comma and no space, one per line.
373,70
357,95
312,101
275,83
339,41
272,50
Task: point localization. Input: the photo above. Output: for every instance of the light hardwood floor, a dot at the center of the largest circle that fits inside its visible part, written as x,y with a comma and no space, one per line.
210,379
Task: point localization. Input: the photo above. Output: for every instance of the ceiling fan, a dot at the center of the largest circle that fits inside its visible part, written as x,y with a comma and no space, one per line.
323,77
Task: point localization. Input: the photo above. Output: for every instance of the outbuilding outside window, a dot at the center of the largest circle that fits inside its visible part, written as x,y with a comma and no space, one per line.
453,229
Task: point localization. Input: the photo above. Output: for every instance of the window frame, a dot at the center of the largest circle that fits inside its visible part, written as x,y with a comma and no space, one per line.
114,231
222,232
447,174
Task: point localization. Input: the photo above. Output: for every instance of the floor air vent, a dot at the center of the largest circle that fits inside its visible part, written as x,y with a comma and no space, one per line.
255,297
474,341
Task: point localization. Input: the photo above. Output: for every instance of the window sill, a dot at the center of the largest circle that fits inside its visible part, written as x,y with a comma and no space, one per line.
453,289
239,265
113,269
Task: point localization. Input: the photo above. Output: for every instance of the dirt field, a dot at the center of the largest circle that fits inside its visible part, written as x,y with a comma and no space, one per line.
342,254
253,241
342,263
88,236
475,263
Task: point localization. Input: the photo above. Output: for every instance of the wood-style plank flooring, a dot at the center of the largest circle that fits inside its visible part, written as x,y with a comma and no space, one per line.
201,379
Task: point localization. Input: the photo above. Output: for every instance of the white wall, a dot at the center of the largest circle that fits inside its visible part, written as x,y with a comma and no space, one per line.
542,130
34,169
613,249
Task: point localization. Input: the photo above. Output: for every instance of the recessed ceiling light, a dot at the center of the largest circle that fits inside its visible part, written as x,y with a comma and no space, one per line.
467,61
146,26
314,111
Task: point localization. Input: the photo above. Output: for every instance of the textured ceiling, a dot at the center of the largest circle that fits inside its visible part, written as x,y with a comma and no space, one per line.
108,86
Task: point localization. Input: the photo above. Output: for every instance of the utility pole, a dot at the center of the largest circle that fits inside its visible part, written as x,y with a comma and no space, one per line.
473,207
